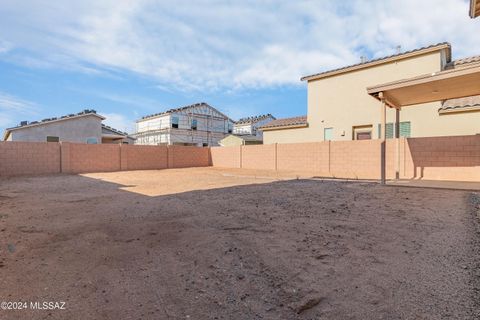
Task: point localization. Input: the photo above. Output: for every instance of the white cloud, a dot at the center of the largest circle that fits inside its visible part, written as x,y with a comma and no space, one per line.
217,45
5,46
12,108
118,121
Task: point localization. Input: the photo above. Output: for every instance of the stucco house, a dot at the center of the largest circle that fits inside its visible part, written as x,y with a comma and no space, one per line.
196,125
82,127
250,125
339,107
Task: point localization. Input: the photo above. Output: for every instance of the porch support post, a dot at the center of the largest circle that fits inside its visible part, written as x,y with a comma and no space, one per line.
397,142
383,137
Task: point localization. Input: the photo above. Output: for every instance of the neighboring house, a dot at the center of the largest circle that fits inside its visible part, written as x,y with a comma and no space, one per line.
197,124
474,8
250,125
242,140
339,107
111,135
83,127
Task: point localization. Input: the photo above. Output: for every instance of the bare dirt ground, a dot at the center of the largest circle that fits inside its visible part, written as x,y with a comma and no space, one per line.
206,243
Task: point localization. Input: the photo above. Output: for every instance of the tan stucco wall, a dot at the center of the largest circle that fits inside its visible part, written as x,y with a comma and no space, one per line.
77,129
341,102
290,136
231,141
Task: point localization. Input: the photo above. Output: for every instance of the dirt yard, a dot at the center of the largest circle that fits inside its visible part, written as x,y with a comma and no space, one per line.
206,243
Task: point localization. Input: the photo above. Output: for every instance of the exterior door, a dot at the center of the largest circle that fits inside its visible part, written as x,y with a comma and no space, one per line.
328,134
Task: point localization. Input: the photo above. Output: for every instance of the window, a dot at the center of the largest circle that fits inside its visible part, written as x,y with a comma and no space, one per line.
194,124
174,122
92,140
390,128
362,132
327,134
405,128
53,139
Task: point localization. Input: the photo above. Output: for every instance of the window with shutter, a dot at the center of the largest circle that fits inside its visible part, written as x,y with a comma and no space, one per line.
405,128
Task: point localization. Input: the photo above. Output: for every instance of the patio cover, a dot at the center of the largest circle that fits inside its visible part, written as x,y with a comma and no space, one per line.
442,85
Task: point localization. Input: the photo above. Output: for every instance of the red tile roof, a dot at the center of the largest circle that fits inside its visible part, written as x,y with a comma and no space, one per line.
286,122
460,104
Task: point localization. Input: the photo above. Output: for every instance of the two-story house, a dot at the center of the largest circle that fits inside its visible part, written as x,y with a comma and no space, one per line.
197,125
339,107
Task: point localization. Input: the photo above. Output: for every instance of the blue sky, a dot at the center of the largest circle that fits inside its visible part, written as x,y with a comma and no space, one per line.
127,59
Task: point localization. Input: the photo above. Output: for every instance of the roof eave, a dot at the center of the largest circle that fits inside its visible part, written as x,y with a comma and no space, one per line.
6,134
295,126
473,6
406,55
57,120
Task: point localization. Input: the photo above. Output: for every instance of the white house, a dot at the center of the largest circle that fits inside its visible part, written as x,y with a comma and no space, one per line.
198,124
250,125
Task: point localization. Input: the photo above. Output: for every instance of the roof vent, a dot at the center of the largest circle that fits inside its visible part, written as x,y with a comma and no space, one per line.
363,59
399,49
23,123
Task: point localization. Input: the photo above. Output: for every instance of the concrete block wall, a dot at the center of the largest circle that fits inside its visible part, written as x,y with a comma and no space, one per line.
34,158
29,158
144,157
93,157
187,156
226,157
442,158
311,157
437,158
259,157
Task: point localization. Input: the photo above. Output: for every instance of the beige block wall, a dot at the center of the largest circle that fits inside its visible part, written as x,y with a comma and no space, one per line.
259,157
438,158
185,156
93,158
144,157
441,158
33,158
226,157
29,158
312,157
435,158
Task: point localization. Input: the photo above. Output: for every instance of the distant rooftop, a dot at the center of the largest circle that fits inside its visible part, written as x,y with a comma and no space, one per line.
300,121
182,109
114,130
86,112
255,119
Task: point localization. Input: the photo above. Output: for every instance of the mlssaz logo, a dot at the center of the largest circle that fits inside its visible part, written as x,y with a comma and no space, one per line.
47,305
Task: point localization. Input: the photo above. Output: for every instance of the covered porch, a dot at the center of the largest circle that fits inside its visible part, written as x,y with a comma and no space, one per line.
438,86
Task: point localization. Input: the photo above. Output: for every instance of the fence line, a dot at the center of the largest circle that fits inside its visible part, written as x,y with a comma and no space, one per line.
436,158
32,158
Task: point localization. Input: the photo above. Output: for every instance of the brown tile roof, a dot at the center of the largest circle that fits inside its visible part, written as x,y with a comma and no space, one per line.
286,122
463,62
460,104
376,61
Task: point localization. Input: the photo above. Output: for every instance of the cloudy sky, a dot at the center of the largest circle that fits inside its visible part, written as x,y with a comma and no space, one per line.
127,59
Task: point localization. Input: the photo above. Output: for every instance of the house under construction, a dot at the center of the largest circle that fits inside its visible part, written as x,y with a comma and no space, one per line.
198,125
